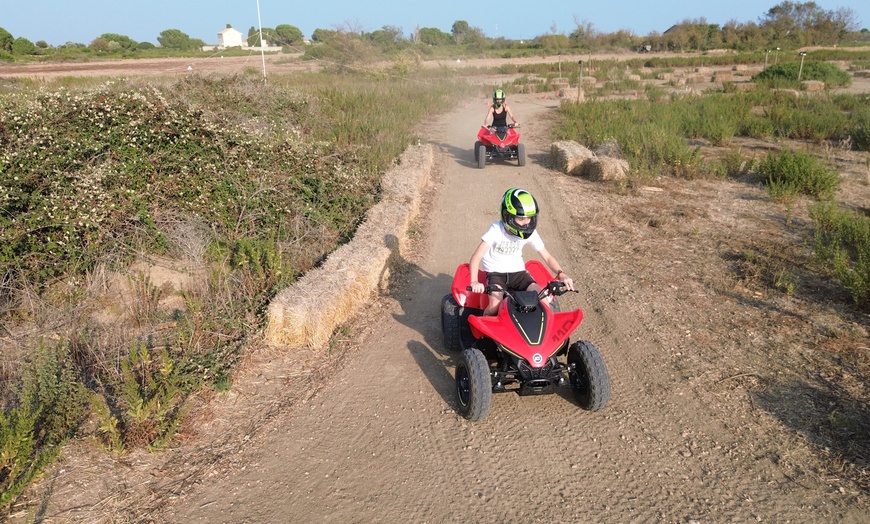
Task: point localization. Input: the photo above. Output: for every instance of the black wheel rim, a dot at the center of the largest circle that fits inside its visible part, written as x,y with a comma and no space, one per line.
463,386
580,382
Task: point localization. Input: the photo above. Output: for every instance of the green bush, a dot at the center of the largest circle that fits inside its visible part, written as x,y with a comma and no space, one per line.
650,135
791,173
786,74
842,244
809,118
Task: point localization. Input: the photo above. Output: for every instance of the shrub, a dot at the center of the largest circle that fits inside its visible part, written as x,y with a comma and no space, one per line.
842,244
808,118
786,74
716,118
791,173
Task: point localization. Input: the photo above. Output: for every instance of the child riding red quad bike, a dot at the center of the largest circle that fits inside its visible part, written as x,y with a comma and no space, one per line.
499,142
525,348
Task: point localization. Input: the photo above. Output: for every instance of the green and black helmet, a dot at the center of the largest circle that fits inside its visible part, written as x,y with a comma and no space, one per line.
519,203
498,97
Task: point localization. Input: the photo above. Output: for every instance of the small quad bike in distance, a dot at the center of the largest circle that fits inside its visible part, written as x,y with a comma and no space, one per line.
526,348
499,142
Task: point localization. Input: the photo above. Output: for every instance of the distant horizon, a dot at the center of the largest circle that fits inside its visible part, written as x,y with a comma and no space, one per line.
58,22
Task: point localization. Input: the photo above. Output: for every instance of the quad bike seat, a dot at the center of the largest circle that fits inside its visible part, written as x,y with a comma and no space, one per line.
469,299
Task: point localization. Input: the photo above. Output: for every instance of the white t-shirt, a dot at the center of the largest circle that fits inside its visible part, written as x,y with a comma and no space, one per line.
505,253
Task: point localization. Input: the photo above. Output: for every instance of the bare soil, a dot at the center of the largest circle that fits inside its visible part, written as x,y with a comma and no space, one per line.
733,400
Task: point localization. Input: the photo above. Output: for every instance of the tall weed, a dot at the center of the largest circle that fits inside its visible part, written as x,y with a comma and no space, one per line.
48,407
145,405
842,244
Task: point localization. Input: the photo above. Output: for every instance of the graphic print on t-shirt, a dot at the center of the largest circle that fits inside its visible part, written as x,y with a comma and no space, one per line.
507,247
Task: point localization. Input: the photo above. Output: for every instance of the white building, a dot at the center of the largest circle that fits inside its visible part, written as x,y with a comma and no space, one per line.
231,37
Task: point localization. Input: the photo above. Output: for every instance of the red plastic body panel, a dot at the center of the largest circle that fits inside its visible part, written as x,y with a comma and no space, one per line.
556,327
488,136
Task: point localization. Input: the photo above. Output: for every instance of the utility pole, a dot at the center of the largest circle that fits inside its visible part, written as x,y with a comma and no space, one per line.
262,47
579,80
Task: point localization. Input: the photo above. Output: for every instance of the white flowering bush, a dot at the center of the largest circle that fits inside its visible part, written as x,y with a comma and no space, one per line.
82,172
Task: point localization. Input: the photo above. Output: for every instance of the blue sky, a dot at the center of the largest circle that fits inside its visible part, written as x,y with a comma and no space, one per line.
61,21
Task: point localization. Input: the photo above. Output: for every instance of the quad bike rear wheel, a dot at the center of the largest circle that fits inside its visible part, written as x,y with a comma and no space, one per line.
589,378
480,155
473,385
451,323
521,155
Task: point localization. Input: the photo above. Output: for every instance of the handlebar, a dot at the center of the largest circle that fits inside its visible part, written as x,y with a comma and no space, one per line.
555,287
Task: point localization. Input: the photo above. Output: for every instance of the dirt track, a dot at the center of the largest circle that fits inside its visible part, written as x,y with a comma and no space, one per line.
708,420
682,440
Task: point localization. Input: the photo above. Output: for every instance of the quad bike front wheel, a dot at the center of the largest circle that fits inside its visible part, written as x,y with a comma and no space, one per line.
480,155
477,144
473,385
451,323
521,155
589,378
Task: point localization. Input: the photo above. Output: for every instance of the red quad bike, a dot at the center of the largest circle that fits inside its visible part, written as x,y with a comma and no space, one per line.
499,142
525,348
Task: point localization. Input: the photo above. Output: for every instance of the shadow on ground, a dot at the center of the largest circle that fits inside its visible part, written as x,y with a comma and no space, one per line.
831,418
421,311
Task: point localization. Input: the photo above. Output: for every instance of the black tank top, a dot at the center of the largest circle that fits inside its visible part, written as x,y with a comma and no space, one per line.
499,119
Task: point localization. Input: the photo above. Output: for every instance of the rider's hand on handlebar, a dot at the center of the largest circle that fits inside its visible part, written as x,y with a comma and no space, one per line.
569,283
477,287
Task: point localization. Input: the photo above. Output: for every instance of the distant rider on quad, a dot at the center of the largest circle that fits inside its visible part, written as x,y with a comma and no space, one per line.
500,252
499,111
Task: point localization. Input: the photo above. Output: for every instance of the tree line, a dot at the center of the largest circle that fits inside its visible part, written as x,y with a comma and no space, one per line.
787,25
